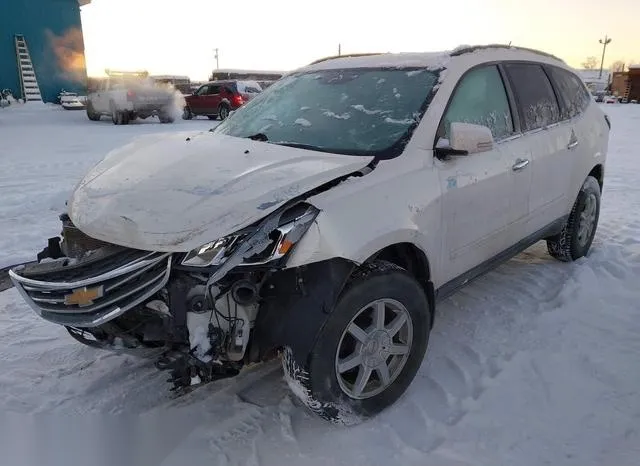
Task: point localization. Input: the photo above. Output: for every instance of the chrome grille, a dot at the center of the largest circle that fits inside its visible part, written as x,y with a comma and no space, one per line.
99,292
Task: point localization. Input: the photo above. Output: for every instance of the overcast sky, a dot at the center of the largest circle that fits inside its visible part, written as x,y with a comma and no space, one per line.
178,37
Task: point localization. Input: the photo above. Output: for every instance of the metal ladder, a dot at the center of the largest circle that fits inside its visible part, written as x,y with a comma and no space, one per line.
28,81
627,89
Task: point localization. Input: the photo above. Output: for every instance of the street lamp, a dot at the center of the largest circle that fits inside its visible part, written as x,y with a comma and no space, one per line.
604,43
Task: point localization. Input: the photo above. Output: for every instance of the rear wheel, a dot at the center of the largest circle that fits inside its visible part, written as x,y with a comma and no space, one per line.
118,117
223,112
368,351
574,241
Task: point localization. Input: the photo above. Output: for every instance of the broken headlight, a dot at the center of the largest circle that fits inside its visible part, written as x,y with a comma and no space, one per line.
269,247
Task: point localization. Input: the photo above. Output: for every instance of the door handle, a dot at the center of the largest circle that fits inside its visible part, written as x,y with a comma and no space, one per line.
572,144
520,164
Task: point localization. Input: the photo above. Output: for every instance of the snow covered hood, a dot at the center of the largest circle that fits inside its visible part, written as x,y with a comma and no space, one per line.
176,192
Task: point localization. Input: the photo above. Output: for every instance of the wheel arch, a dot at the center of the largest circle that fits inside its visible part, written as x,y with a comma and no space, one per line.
598,173
415,261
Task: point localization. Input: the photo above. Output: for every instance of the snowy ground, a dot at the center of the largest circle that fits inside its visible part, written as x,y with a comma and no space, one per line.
536,363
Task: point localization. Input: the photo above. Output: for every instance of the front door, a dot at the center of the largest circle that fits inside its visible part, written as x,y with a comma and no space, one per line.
197,100
484,194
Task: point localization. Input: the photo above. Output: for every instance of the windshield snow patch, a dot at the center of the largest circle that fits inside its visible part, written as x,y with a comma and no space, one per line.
302,122
361,108
343,116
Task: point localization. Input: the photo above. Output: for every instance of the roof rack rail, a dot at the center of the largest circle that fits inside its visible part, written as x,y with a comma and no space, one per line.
351,55
472,48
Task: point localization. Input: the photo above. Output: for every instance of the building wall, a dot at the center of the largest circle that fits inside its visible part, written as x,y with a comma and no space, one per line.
53,31
619,82
622,79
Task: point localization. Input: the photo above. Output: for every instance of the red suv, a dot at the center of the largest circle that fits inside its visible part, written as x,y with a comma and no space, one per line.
218,98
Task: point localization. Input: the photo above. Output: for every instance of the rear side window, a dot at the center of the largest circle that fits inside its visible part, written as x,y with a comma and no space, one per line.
536,100
214,89
572,94
480,99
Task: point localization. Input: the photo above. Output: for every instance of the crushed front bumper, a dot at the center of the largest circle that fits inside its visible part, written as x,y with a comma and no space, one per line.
92,293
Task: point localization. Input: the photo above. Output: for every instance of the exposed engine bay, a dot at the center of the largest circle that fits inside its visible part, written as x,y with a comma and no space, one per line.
194,313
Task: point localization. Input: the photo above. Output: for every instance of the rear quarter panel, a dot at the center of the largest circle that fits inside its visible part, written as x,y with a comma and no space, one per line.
593,136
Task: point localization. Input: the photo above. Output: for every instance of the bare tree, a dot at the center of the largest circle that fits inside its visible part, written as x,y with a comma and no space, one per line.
617,66
591,63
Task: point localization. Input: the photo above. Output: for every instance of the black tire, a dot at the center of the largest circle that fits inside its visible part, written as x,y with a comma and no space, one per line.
572,242
165,118
314,379
187,114
116,116
223,112
126,118
91,113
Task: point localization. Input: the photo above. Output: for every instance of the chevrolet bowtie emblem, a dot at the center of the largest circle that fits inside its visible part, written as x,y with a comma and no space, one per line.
84,296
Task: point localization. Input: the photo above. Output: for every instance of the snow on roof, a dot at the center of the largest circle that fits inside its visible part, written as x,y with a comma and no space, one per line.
634,67
593,75
430,60
170,76
408,59
241,71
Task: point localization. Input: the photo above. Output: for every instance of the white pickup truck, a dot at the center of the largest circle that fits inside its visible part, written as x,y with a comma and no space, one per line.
125,96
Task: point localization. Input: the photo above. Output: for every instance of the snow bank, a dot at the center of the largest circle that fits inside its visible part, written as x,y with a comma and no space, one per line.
535,363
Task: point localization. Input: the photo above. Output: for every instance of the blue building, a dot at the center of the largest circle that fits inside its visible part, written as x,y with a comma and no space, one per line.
52,30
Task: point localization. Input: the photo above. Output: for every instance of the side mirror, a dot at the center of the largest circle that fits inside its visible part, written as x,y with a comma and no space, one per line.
466,139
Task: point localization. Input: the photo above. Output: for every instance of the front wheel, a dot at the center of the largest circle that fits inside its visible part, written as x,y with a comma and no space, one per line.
91,113
577,234
165,118
369,350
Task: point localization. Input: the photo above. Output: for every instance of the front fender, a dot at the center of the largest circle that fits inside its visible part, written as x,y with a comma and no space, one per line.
325,240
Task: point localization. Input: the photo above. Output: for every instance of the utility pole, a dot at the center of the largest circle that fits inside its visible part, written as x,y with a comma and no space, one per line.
217,65
604,43
339,49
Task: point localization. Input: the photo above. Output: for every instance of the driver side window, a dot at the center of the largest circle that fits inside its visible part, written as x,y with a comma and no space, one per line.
480,99
204,90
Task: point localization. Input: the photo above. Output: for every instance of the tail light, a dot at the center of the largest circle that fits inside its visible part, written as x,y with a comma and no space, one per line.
237,100
131,95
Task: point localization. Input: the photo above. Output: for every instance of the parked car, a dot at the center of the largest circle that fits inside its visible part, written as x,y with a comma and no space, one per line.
217,99
610,99
71,100
325,219
125,96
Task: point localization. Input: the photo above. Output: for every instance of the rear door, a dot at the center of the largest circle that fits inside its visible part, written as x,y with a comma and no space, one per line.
548,139
100,100
483,196
213,99
585,132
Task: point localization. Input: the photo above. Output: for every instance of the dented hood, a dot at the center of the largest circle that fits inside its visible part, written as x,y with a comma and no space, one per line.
176,192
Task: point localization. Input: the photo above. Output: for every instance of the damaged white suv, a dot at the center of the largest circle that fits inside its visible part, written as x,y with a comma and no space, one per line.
323,220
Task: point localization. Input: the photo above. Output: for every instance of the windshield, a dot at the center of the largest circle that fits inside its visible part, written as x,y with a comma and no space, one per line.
355,111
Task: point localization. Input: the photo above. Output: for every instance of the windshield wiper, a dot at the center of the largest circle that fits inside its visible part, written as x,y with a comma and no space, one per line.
299,145
258,137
